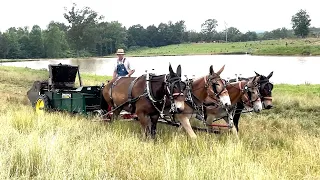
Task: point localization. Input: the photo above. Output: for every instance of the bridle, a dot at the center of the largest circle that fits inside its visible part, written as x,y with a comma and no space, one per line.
262,85
214,83
213,94
170,83
194,102
247,93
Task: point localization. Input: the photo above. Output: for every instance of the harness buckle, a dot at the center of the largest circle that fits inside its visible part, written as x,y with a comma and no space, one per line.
173,108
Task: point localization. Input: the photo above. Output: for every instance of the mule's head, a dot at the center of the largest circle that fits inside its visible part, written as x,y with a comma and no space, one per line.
266,90
217,87
175,88
251,96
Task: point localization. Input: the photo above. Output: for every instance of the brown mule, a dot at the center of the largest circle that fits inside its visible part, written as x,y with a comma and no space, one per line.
265,89
242,91
148,96
197,91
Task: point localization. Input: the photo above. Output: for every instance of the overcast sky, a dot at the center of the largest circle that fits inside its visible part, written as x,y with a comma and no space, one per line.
246,15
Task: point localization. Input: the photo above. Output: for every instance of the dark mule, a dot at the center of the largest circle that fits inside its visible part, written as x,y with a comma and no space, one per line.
148,96
246,92
265,89
197,91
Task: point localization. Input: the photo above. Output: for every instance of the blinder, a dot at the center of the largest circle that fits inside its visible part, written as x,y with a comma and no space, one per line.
248,90
171,83
215,84
266,89
175,82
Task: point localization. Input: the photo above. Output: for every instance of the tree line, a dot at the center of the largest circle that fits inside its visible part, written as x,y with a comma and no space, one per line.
86,34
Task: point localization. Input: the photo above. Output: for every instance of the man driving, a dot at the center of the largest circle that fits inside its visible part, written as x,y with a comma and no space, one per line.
122,67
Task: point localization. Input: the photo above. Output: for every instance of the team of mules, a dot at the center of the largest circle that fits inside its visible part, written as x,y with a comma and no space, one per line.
207,98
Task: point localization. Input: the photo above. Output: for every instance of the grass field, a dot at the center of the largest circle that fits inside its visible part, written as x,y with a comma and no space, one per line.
270,47
282,143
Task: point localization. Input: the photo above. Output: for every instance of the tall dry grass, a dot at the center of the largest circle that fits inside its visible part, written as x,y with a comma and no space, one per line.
282,143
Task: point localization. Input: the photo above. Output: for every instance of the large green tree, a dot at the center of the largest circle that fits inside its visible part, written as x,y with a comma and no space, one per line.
152,34
178,30
55,41
209,26
110,36
249,36
13,46
137,36
208,29
25,48
82,24
300,23
36,42
4,43
234,34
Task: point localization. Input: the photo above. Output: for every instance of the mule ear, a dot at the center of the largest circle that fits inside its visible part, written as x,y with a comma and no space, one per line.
171,70
269,76
220,71
253,79
179,71
256,79
211,70
257,74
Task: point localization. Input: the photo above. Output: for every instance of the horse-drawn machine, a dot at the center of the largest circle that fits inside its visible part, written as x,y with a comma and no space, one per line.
163,98
59,93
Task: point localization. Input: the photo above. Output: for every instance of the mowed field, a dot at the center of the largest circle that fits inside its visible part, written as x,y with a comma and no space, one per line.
310,46
282,143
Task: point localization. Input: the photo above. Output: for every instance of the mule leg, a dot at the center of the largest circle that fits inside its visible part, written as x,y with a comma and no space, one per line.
236,119
233,129
215,114
154,121
144,122
237,115
115,115
184,120
209,120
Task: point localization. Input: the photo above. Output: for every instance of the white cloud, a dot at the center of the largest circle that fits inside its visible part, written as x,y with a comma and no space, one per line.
245,14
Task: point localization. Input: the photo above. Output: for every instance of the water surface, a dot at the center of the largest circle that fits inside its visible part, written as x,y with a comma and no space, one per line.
289,70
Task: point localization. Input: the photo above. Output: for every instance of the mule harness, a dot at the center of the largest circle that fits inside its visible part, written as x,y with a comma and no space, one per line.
147,93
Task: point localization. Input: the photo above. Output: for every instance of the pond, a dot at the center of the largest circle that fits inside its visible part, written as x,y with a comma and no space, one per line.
288,70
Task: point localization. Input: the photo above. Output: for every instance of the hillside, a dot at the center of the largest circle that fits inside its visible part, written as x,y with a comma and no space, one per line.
310,46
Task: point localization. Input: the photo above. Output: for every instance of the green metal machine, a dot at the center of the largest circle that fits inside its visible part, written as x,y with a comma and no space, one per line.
59,93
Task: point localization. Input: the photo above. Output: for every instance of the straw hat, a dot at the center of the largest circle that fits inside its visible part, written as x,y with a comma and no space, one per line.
120,51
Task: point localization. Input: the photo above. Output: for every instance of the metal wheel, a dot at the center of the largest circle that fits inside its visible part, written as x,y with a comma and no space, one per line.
99,113
42,104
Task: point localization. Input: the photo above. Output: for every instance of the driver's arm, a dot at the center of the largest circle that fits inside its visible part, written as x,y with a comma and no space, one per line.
114,71
114,75
130,71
